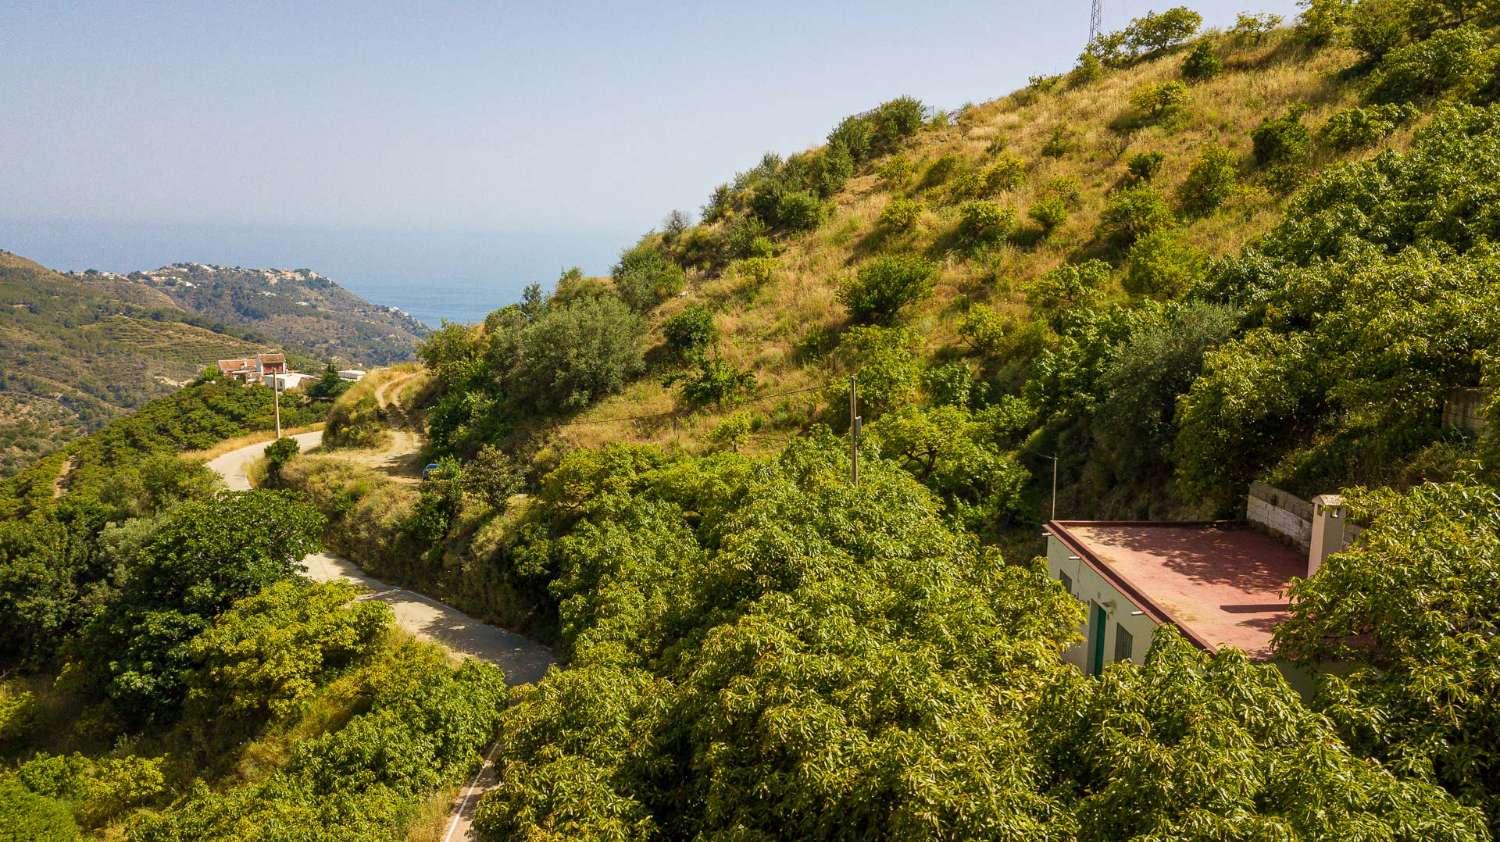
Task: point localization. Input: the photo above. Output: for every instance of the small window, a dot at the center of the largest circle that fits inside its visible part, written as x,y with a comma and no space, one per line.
1067,582
1123,643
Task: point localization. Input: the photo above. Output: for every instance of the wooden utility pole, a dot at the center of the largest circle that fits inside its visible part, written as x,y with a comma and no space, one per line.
276,391
854,429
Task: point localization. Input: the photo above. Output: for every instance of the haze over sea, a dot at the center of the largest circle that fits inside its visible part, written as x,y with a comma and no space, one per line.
433,275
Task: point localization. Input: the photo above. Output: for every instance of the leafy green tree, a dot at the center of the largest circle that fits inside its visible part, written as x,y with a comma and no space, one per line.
1069,286
1377,27
1156,31
494,476
1193,746
1246,407
329,385
1135,423
1428,68
201,557
886,363
1410,606
945,449
572,356
265,656
885,286
1357,127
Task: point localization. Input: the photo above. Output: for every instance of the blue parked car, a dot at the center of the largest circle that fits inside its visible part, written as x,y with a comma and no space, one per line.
428,469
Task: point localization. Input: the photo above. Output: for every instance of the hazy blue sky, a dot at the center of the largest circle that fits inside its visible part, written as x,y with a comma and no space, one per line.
473,145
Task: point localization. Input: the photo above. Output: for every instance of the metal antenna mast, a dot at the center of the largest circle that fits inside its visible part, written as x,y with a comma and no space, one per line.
1096,20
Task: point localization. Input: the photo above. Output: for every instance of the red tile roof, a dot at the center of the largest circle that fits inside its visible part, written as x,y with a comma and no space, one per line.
1222,583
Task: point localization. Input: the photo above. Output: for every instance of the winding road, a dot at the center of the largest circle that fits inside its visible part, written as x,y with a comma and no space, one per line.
522,659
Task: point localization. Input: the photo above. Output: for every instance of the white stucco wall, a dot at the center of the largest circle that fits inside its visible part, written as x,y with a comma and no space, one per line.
1092,589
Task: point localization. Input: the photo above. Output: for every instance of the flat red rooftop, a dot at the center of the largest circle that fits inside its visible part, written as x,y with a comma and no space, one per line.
1221,583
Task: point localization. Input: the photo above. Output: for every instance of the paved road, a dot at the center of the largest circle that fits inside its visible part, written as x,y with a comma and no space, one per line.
522,659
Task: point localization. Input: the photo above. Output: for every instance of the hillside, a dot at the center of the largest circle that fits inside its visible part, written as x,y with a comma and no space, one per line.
299,307
1067,171
1196,261
76,352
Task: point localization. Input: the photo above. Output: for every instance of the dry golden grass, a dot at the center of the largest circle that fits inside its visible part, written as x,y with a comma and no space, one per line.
761,330
246,440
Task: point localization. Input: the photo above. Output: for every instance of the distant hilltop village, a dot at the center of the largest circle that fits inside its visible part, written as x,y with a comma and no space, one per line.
182,275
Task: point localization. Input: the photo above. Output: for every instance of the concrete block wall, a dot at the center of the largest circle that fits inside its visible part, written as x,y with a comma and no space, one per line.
1464,410
1280,513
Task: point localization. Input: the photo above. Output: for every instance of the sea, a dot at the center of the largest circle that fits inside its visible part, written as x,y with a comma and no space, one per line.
435,275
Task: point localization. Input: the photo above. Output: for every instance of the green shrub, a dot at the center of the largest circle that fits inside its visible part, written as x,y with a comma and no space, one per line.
984,223
1132,213
879,131
1088,69
278,453
1143,166
25,815
1049,213
949,384
1209,182
983,328
888,365
1161,265
745,236
572,356
1358,127
800,211
940,170
785,209
494,476
895,172
354,421
717,381
1069,286
646,276
1159,102
1281,140
1060,141
1429,68
690,331
1202,62
883,287
900,214
1006,173
263,658
732,433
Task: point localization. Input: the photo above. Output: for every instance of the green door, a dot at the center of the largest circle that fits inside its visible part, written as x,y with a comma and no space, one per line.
1097,625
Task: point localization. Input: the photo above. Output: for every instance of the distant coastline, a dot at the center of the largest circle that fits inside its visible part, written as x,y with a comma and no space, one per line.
431,275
